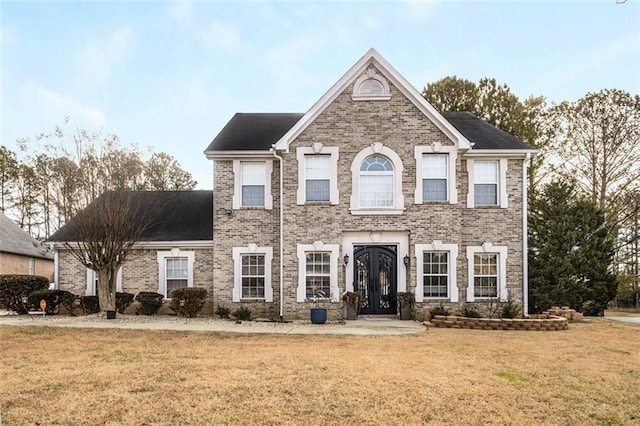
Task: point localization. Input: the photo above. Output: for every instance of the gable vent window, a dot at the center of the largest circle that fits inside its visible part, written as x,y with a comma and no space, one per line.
371,86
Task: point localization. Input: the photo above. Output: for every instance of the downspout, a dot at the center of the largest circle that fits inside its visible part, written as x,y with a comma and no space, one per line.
275,154
525,236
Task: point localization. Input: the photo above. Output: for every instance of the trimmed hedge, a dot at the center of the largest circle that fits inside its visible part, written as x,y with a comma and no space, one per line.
150,302
13,288
188,302
123,300
54,299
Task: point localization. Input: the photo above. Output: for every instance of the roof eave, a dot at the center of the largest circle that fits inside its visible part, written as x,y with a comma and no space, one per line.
229,155
501,153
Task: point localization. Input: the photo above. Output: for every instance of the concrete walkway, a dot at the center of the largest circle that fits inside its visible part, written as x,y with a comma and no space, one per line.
360,327
632,320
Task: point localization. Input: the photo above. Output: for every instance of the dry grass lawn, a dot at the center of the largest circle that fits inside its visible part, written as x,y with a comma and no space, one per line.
589,375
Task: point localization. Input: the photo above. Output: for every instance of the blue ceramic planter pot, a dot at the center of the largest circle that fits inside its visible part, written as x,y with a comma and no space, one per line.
318,315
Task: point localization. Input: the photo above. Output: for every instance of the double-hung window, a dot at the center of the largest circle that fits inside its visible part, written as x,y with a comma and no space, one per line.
434,177
317,177
376,182
318,274
486,183
435,269
485,275
253,184
253,276
177,273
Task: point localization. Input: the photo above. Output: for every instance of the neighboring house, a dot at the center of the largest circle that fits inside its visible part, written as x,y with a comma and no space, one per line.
21,254
372,190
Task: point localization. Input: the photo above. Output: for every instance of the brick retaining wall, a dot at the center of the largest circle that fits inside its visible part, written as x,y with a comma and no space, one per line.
552,323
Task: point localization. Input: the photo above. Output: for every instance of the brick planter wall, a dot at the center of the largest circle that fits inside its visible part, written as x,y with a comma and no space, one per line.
551,323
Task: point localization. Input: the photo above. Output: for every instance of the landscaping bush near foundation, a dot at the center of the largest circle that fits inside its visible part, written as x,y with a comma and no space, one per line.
53,298
123,300
90,304
15,289
223,312
150,302
242,314
188,302
438,310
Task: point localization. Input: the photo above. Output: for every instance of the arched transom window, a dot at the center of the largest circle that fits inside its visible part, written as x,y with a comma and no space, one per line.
376,182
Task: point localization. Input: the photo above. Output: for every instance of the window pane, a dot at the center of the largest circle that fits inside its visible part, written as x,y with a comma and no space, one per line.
485,280
317,166
253,196
434,190
318,269
434,166
486,194
253,276
371,87
253,173
376,191
376,163
486,172
435,270
317,190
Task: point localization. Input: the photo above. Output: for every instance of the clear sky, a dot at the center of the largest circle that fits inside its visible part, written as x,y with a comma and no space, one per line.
170,74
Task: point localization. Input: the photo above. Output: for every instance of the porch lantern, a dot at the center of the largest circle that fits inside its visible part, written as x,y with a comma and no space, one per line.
346,259
406,260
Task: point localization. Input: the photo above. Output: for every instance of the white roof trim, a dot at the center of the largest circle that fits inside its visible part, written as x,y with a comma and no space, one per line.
500,153
374,58
155,244
224,155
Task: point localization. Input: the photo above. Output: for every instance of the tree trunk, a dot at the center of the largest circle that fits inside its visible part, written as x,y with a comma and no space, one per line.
107,289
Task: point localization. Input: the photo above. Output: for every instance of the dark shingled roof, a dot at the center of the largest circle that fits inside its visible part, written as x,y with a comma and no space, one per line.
253,131
175,216
259,131
481,133
14,240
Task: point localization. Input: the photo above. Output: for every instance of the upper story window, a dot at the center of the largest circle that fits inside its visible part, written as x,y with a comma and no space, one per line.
436,174
252,184
377,181
317,174
487,183
371,86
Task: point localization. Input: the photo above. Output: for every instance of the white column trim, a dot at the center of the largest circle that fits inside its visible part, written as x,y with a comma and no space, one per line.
437,245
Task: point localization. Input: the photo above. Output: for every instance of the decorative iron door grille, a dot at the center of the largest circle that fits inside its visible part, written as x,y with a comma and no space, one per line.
375,278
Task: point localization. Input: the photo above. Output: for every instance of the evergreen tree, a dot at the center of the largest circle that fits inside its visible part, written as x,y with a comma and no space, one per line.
571,252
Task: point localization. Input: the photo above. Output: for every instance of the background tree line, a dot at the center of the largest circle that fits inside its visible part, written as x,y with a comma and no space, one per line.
584,188
63,171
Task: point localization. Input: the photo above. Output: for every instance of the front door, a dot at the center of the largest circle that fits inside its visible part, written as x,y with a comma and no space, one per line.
375,278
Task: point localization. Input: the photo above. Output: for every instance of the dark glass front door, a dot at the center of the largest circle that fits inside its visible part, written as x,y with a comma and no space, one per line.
375,278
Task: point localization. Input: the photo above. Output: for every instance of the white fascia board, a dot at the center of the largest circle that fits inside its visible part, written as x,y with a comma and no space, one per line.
499,153
155,244
229,155
373,57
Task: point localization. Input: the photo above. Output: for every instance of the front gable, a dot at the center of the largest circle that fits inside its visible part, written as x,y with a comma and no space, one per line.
372,67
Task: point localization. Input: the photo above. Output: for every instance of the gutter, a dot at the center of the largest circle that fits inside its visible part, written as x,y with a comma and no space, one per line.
275,154
525,237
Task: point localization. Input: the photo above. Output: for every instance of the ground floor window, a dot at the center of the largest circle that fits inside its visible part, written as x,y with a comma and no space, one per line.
436,271
487,272
318,274
253,276
318,271
177,273
175,270
252,273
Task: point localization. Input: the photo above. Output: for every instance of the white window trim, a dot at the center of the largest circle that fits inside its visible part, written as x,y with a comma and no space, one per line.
90,279
437,148
237,185
437,245
317,148
162,267
237,268
398,198
316,247
371,73
501,251
502,183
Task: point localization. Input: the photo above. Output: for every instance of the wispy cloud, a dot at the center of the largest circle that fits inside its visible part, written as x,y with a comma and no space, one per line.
100,56
50,103
222,35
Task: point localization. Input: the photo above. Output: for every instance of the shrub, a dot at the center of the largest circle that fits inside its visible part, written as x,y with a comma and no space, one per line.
242,314
123,300
15,288
90,304
406,298
470,311
188,302
150,302
510,310
54,299
438,310
222,311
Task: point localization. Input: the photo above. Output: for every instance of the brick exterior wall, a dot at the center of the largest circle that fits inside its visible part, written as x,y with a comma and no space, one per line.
352,126
11,263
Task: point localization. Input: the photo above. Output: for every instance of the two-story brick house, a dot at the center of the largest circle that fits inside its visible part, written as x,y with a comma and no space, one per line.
372,190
